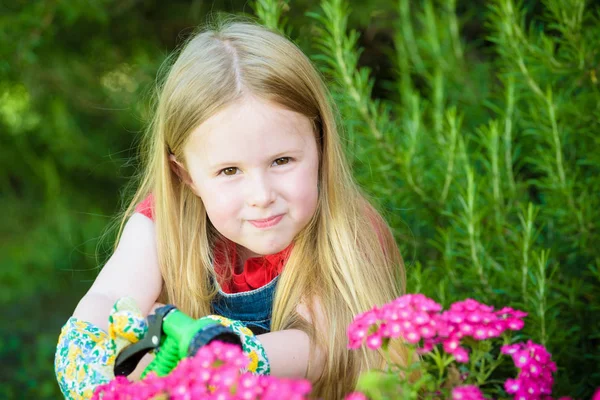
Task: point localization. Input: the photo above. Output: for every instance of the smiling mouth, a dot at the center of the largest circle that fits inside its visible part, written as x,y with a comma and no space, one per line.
266,223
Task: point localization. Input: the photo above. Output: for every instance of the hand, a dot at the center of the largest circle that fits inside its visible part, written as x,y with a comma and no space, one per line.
85,355
136,375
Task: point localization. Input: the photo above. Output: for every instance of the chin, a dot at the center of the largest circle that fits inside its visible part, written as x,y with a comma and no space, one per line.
269,249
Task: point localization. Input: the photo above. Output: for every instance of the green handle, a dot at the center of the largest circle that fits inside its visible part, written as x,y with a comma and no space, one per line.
182,328
178,332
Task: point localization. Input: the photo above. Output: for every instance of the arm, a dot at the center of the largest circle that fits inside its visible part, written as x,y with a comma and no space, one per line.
83,345
288,354
131,271
292,360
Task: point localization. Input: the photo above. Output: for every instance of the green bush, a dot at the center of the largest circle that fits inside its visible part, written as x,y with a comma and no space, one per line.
483,151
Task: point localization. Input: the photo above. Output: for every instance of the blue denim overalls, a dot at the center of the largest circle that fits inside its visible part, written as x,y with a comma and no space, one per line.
252,308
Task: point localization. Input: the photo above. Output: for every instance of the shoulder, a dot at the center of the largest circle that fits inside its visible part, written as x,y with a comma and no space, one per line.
138,234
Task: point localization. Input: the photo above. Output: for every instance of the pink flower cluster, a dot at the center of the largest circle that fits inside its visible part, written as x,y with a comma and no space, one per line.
415,317
412,317
467,392
212,374
476,320
535,371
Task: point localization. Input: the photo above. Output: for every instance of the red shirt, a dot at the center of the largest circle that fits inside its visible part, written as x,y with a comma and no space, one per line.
257,272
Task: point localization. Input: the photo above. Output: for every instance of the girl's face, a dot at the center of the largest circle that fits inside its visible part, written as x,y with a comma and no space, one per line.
255,167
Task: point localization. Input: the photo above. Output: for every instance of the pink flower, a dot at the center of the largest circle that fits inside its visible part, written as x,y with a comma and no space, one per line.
596,395
510,348
461,355
357,335
374,341
427,331
412,336
393,329
512,386
467,392
534,381
427,347
522,358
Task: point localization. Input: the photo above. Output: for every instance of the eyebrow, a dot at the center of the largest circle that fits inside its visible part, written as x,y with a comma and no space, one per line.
292,152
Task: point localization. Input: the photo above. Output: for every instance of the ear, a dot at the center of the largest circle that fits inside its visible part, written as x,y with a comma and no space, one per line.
179,170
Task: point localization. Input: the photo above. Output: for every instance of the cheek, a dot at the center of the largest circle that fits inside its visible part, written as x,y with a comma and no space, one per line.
304,193
221,203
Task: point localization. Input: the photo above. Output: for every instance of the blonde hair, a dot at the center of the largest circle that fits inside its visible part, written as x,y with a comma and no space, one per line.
343,262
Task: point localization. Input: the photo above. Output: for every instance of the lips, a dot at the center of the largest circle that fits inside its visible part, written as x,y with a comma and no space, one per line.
266,223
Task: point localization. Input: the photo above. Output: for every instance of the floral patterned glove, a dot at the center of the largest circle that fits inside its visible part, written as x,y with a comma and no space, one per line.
259,363
85,354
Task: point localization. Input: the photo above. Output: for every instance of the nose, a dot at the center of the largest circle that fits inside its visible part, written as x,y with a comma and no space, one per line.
260,192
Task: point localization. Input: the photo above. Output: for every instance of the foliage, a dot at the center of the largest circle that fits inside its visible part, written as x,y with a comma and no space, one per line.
484,155
473,126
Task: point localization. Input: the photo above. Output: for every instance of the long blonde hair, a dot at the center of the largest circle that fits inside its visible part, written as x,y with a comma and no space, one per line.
343,262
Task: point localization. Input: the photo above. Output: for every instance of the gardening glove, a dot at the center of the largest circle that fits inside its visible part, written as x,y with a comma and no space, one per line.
85,354
251,346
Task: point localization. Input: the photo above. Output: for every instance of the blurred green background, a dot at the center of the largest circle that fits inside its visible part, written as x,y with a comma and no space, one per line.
474,127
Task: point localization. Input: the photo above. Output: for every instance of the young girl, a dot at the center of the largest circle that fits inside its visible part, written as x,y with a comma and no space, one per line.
247,209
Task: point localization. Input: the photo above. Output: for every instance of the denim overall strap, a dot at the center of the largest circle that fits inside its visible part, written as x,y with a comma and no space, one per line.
253,308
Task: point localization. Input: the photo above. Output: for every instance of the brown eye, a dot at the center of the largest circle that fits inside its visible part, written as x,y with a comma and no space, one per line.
229,171
282,161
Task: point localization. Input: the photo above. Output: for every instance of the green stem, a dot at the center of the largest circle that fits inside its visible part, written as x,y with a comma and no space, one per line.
408,35
527,223
472,228
437,357
493,366
454,31
508,116
452,124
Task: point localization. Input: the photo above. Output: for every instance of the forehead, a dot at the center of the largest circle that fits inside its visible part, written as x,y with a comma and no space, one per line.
249,130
